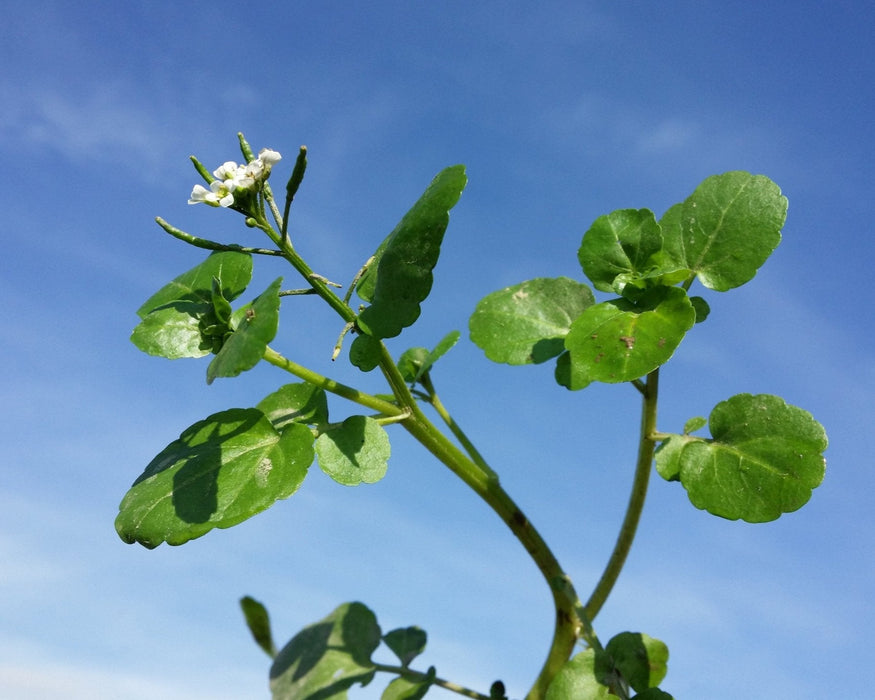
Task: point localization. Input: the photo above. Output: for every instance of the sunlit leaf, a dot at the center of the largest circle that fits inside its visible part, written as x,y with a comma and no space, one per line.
617,341
408,689
254,325
527,323
400,276
577,679
640,660
764,460
298,402
726,229
354,452
175,318
324,660
258,622
619,244
221,471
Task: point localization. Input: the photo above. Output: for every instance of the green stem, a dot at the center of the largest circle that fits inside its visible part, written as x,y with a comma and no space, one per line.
415,676
646,446
567,626
454,427
384,407
212,245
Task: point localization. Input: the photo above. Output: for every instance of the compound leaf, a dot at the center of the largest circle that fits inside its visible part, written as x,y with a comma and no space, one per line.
764,460
618,340
527,323
324,660
400,275
354,452
220,472
254,326
180,318
726,229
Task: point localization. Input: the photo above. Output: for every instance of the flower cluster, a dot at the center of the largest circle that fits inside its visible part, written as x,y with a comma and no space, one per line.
231,178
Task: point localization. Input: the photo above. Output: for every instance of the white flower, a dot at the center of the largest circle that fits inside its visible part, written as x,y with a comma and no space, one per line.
269,157
219,194
226,170
231,177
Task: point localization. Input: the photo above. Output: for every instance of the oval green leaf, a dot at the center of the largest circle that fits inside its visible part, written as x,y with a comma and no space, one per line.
618,341
641,660
527,323
765,459
173,319
255,325
324,660
619,244
354,452
726,229
364,352
258,622
400,275
408,689
220,472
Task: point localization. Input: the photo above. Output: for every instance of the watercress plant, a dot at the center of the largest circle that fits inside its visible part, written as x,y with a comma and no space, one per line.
762,459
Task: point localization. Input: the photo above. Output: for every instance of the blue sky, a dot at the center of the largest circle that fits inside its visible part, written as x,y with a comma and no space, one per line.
562,111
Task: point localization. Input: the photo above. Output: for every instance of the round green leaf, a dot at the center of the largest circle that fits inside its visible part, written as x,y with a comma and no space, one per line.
298,402
577,679
325,659
400,276
617,341
641,660
726,229
364,352
621,243
527,323
354,452
764,460
221,471
255,325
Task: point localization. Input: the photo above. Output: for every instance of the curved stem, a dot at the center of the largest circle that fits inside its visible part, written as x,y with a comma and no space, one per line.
646,446
568,626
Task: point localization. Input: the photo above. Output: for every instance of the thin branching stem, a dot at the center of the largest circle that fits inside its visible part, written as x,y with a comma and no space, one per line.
212,245
415,676
646,446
